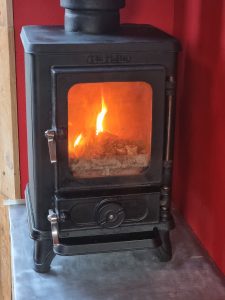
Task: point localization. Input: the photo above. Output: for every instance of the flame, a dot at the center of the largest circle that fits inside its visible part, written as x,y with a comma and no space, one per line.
77,140
100,118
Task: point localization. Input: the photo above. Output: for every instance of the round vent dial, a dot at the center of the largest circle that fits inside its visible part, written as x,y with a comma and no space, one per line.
110,214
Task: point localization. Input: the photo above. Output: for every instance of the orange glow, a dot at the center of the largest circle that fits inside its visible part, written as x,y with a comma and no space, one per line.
100,118
77,140
109,128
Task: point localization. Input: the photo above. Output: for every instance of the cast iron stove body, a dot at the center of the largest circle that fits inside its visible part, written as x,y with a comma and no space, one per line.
93,189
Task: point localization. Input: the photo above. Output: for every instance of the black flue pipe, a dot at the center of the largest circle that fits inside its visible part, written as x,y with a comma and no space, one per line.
92,16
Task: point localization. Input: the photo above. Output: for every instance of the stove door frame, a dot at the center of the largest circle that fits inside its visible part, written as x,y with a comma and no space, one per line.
62,80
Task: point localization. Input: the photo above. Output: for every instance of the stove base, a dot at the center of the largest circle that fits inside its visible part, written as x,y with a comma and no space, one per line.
44,251
157,237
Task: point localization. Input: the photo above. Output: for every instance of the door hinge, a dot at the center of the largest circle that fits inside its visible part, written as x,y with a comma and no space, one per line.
170,86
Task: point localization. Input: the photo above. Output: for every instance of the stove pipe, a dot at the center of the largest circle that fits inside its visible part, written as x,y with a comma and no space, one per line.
92,16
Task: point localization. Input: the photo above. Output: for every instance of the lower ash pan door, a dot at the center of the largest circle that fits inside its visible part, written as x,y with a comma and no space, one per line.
79,215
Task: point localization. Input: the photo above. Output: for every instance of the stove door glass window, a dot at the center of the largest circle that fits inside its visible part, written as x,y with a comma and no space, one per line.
109,128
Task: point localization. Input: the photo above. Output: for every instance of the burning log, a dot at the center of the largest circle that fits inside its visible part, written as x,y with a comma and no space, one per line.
113,166
108,155
100,153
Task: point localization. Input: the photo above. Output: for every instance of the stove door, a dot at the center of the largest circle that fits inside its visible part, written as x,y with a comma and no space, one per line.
110,126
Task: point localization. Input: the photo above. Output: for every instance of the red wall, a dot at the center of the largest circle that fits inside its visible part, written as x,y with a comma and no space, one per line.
199,174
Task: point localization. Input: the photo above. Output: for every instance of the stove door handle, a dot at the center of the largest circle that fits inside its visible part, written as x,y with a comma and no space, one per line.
50,135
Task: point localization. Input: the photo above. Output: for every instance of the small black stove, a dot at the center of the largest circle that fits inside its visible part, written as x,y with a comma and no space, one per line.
100,119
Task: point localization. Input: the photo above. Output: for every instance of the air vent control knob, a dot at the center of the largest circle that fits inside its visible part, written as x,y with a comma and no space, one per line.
110,214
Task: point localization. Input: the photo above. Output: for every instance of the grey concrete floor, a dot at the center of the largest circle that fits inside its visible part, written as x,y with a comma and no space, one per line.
137,275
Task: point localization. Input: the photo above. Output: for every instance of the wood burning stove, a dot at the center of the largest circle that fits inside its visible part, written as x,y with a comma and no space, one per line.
100,111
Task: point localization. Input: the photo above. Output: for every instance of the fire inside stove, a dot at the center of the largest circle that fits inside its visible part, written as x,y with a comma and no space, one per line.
109,128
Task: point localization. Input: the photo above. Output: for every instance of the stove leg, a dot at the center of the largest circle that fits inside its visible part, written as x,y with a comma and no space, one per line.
43,255
164,252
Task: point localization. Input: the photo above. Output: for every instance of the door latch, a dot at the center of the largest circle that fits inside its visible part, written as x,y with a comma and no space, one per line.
50,135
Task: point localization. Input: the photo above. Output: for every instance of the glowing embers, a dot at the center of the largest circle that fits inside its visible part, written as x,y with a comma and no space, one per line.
109,128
